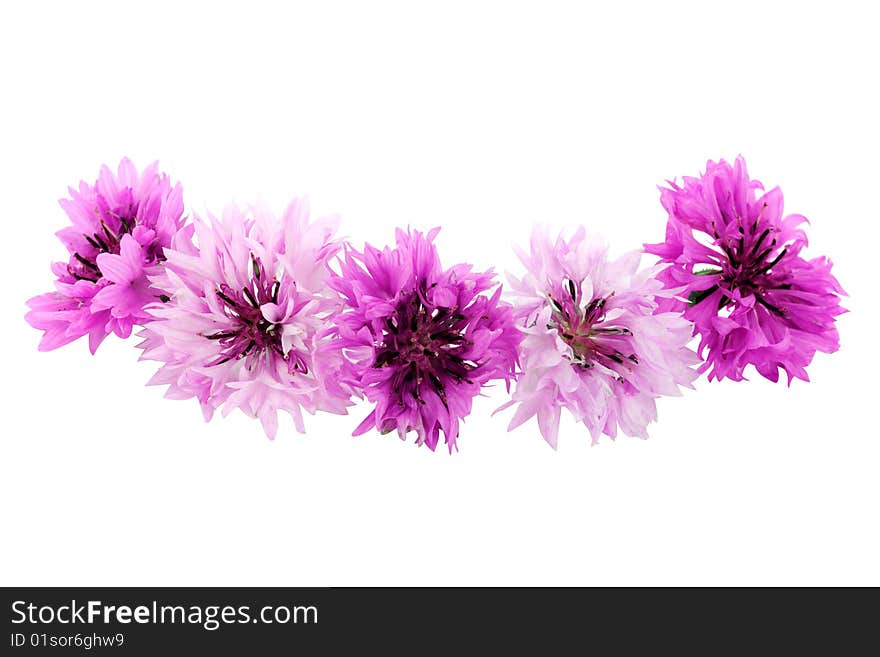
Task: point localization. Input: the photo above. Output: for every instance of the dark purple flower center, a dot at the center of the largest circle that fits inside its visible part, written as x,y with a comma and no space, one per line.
584,330
83,265
747,265
250,333
424,344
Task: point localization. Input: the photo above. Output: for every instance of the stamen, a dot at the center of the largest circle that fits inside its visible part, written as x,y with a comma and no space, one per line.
109,233
86,263
613,330
221,335
727,250
764,254
101,242
760,240
776,260
250,297
225,298
758,218
80,277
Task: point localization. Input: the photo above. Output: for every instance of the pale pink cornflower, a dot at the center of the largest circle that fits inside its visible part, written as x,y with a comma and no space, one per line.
246,305
593,343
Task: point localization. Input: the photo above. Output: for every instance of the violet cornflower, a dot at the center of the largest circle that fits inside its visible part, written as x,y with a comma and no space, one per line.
240,328
121,225
594,343
737,273
421,341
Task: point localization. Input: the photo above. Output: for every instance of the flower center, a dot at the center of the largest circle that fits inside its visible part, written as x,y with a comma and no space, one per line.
84,266
251,334
592,340
424,344
747,264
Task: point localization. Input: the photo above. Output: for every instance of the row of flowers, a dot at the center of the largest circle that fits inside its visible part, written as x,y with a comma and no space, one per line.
248,311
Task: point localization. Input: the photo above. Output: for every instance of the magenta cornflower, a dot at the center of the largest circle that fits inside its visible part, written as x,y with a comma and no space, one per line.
421,341
737,273
121,225
594,343
240,328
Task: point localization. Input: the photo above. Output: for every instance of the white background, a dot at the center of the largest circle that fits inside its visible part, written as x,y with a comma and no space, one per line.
483,118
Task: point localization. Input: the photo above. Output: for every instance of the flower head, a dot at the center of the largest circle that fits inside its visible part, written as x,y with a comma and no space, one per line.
240,329
593,342
737,273
121,225
420,340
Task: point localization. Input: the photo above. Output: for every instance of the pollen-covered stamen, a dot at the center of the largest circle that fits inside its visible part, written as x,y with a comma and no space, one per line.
425,344
584,329
249,334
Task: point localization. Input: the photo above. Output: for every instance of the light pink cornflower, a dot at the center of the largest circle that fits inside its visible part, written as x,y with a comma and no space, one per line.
593,343
246,304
